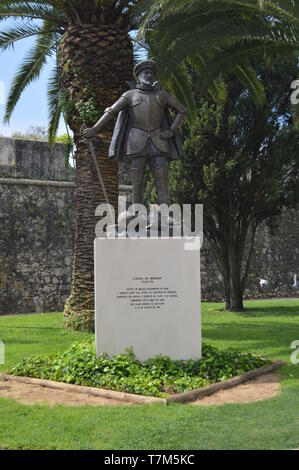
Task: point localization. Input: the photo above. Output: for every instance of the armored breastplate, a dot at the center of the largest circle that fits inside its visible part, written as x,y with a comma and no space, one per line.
146,111
146,116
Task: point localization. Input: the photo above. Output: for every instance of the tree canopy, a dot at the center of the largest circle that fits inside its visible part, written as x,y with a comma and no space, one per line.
242,164
217,38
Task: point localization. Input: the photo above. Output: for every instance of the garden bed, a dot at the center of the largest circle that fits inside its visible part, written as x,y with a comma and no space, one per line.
159,377
29,390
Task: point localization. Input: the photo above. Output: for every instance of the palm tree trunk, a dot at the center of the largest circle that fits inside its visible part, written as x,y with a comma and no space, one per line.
95,63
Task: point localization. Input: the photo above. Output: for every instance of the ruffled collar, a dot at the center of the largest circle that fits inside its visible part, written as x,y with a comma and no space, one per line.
143,87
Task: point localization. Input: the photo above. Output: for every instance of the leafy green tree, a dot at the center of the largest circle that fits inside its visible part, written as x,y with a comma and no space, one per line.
33,133
68,141
242,164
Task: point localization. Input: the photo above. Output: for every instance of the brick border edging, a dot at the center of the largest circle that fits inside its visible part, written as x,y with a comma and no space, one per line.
185,397
202,392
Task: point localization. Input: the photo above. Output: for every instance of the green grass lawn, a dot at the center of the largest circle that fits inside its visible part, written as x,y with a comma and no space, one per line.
266,328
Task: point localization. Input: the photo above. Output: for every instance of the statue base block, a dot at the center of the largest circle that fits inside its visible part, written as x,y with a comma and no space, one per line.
147,297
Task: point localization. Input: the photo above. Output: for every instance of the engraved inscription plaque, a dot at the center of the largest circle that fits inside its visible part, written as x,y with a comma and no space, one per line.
147,295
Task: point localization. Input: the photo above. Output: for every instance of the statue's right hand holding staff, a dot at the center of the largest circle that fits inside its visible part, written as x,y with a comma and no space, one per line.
89,132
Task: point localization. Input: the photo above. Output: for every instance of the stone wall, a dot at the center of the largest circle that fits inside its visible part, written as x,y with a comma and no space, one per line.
37,232
34,160
275,259
37,226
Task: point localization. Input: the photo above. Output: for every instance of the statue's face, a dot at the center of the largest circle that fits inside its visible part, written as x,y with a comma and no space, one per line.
146,76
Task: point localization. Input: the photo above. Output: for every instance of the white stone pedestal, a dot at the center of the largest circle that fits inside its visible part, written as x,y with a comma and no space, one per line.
147,296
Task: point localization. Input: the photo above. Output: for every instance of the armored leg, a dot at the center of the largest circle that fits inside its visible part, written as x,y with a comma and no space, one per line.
137,173
160,169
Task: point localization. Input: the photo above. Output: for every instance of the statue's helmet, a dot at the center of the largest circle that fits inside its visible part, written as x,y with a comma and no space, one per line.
145,64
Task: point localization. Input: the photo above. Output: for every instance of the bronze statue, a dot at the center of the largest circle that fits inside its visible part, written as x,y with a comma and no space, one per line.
144,131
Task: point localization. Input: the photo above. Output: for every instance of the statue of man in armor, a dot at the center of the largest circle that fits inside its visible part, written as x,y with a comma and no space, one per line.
145,132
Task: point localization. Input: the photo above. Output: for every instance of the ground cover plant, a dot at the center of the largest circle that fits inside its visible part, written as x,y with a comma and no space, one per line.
158,377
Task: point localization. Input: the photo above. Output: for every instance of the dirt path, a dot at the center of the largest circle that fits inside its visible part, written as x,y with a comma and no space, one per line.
34,394
260,388
265,386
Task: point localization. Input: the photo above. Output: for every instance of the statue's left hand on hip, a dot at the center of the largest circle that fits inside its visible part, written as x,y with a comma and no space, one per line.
165,135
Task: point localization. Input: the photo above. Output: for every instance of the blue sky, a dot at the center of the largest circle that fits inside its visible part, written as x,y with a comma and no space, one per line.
32,107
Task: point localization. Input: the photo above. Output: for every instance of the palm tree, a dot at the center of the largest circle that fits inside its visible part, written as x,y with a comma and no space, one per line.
95,59
216,38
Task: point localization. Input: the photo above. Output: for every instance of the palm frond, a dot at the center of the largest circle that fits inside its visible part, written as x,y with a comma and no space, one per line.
19,31
238,32
284,10
158,11
29,70
152,9
165,8
249,79
205,16
30,10
223,60
217,87
54,104
218,91
180,85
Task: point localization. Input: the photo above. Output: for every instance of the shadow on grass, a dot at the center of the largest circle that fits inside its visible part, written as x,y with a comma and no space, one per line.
259,310
23,341
8,327
255,336
287,311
